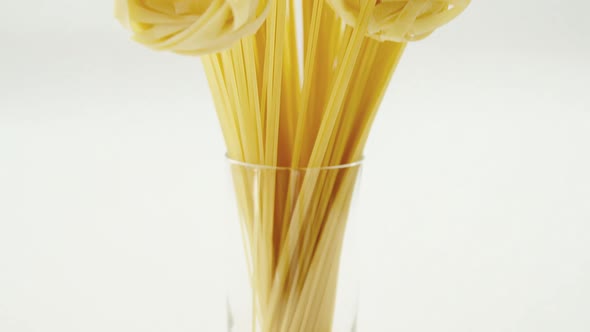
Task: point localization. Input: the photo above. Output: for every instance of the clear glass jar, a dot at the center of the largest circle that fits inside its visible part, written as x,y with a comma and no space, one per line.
291,258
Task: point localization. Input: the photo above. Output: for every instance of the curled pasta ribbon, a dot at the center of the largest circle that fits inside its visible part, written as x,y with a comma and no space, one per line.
402,21
191,27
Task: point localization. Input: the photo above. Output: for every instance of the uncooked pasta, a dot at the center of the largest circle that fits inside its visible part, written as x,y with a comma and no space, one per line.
275,114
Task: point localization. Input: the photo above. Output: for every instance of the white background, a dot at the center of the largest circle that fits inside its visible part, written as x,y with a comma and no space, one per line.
476,192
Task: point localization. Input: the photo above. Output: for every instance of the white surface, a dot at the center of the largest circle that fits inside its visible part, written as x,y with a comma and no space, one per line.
476,198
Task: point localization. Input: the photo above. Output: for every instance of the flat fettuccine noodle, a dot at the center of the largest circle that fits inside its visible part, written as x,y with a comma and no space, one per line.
402,21
192,27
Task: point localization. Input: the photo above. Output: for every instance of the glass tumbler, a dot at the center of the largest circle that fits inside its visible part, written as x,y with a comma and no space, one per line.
291,258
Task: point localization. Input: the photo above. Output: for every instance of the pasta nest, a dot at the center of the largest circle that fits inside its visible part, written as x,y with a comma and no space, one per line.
401,21
192,27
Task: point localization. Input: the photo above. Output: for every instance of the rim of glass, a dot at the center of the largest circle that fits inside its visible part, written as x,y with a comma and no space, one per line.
284,168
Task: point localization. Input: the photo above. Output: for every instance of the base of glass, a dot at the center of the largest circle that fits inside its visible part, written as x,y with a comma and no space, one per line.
231,325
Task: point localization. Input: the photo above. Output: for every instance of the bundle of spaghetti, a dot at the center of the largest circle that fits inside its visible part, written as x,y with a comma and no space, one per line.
289,128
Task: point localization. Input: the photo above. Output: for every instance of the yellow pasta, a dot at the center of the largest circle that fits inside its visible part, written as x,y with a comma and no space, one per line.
293,209
188,26
402,20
